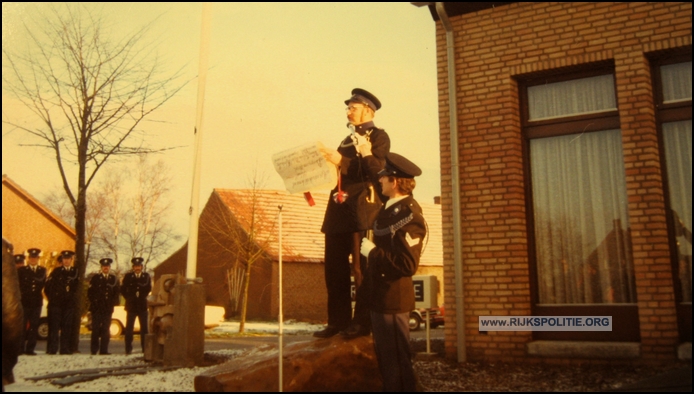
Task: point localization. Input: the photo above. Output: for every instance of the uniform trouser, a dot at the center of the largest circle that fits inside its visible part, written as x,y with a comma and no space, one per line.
101,323
141,315
32,315
391,333
338,248
60,322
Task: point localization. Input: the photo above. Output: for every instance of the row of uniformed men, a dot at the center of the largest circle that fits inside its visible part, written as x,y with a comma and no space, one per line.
60,288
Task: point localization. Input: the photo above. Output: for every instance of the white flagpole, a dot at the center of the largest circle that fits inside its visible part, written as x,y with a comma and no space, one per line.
192,262
280,318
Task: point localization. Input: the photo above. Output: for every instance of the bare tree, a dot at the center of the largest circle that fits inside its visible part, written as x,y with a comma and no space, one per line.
243,229
89,94
112,200
147,232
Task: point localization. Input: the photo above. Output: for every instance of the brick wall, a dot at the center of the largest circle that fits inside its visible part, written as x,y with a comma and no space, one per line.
27,225
492,48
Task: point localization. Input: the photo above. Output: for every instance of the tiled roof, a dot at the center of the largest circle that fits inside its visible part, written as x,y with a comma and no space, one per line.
302,239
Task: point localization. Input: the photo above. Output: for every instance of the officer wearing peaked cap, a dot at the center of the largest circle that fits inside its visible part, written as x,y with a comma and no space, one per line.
136,286
393,256
351,209
61,291
32,279
19,260
103,294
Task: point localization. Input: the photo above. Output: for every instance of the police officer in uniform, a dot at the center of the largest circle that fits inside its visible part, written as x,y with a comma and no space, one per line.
103,294
61,290
350,211
32,279
136,287
393,257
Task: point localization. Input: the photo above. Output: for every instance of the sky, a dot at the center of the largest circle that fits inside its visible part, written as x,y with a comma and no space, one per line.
278,76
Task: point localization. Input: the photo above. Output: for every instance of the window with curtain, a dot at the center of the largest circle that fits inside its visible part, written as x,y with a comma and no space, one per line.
676,81
581,225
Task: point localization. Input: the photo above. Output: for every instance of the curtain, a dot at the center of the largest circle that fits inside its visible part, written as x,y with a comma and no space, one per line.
677,138
575,97
583,248
677,82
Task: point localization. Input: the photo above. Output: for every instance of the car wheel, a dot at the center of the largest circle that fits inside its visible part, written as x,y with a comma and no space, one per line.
115,329
415,322
42,331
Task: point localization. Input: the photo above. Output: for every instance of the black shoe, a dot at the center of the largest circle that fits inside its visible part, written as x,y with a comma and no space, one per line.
327,332
93,353
30,353
104,354
354,331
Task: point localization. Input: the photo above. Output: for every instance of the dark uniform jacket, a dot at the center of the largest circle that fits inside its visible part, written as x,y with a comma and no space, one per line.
399,233
103,293
31,285
61,287
357,174
135,291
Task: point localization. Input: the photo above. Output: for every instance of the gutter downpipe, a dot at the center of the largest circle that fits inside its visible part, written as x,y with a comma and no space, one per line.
455,184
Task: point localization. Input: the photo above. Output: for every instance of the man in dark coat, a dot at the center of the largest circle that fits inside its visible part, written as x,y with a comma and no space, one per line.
61,291
393,257
32,279
12,316
351,209
136,287
103,294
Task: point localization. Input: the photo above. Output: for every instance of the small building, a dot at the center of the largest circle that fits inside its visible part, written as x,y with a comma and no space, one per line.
27,223
224,227
571,125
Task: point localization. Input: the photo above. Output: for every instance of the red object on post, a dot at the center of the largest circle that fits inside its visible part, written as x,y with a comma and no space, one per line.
309,199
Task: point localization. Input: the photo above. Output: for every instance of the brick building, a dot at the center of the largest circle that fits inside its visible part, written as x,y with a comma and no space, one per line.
572,123
27,223
226,219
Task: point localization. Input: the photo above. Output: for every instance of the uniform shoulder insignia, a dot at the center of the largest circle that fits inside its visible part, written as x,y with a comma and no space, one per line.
411,241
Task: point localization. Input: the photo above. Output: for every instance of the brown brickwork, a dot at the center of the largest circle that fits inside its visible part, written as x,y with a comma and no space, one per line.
27,223
495,47
305,294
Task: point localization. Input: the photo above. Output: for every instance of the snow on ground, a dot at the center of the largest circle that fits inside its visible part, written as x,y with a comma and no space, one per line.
289,327
176,380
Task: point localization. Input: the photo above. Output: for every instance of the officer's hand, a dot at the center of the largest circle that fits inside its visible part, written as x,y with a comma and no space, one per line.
331,155
366,246
363,145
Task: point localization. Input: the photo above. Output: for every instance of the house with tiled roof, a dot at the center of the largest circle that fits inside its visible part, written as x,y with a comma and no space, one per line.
232,217
27,223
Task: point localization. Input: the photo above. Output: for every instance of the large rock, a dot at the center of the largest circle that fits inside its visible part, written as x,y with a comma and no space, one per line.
333,364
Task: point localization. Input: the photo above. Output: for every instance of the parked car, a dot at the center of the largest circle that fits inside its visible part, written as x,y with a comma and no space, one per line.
214,315
418,318
42,331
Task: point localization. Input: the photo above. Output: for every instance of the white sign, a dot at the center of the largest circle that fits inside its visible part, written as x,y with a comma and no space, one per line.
304,168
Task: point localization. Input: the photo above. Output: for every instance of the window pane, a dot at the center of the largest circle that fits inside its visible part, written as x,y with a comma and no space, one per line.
582,238
677,82
677,137
575,97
